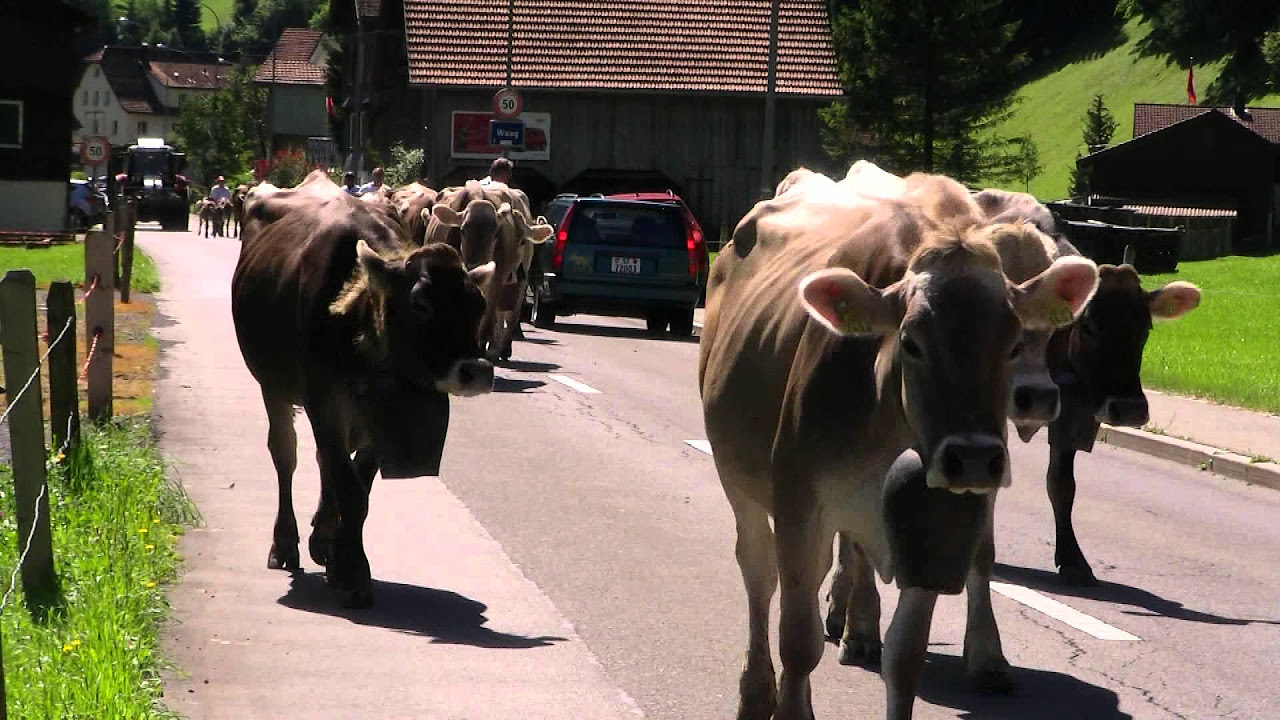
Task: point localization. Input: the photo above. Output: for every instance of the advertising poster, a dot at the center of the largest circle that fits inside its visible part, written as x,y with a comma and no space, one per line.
471,136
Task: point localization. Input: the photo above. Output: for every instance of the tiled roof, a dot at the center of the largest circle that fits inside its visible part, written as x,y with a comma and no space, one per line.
196,76
652,45
290,60
126,71
1188,212
1149,117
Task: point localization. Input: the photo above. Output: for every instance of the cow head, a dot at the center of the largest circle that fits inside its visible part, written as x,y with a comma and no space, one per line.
425,309
1105,345
478,225
953,332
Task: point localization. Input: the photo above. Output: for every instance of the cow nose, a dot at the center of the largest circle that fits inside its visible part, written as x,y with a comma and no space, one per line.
1125,411
969,463
1035,403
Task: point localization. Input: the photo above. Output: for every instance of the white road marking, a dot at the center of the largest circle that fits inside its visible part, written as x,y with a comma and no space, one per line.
1064,613
574,385
702,445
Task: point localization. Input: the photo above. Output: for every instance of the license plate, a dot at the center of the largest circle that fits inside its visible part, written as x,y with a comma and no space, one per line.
626,265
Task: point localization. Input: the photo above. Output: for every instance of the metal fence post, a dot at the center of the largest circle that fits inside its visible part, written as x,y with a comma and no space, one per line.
64,401
99,320
26,433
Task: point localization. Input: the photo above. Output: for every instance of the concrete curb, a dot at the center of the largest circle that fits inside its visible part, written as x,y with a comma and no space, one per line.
1193,454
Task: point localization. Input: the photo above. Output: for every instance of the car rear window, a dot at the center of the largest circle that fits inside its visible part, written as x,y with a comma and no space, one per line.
628,225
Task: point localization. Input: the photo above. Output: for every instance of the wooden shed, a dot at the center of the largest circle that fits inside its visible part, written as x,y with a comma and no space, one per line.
642,95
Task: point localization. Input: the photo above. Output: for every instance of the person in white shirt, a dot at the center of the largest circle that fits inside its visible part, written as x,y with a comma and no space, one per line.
499,171
376,184
220,191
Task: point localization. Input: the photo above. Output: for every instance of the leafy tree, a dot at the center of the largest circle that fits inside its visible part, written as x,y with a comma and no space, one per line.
1185,29
1099,127
405,165
1026,165
925,82
217,130
184,16
269,18
243,10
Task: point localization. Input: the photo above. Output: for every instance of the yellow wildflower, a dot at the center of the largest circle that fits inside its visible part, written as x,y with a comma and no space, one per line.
150,547
143,531
68,648
149,584
75,643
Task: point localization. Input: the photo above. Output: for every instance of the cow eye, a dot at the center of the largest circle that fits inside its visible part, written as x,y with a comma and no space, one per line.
1017,351
911,348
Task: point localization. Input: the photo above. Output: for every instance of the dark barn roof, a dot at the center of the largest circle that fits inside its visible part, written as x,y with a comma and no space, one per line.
290,60
127,69
1150,117
647,45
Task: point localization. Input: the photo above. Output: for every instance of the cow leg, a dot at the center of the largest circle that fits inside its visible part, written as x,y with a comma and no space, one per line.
804,555
282,442
366,462
860,641
324,524
348,568
758,693
985,664
1061,482
905,645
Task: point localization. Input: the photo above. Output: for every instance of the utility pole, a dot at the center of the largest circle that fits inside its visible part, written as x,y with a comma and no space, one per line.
770,101
511,40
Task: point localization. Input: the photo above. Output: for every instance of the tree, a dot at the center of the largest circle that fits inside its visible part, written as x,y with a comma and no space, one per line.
405,165
1099,127
217,130
1026,166
1185,29
185,18
925,82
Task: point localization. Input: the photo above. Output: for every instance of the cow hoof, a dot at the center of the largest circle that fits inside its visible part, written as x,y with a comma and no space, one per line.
835,624
992,680
860,653
1077,575
284,557
318,546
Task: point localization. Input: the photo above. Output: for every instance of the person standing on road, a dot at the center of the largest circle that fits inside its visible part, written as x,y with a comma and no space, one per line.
375,185
499,171
220,191
349,183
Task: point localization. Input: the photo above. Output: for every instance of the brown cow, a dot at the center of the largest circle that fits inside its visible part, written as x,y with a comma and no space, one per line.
902,336
335,313
1096,362
413,204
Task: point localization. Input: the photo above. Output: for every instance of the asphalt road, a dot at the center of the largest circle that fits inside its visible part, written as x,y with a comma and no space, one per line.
590,532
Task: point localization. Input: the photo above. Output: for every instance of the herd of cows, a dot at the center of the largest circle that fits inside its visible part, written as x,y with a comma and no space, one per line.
867,341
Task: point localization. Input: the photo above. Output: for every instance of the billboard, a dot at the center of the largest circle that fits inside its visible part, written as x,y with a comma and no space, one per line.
470,136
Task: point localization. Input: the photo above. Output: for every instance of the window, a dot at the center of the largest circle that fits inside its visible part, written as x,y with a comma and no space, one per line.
84,100
96,98
142,127
182,99
11,123
95,124
107,100
97,71
115,127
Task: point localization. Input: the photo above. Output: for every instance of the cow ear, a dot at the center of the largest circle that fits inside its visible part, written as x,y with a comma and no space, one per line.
374,265
504,209
446,215
846,305
480,275
1173,300
540,233
1057,296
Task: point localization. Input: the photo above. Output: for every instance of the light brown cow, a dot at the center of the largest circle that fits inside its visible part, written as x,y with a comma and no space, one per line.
413,204
841,332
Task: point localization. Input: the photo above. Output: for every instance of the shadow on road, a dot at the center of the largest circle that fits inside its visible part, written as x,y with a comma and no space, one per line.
1039,694
445,617
515,385
1111,592
528,366
539,341
621,332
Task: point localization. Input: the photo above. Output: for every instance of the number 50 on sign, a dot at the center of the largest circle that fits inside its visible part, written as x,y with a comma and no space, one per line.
507,103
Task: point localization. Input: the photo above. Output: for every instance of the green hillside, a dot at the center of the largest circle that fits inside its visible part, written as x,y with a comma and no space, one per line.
1053,106
222,10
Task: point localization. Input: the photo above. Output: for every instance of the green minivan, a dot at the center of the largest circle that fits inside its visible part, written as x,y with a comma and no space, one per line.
631,255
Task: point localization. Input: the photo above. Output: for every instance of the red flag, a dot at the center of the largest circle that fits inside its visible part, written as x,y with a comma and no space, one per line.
328,106
1191,85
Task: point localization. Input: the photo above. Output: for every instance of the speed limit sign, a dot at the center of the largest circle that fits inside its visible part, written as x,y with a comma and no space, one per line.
507,103
95,150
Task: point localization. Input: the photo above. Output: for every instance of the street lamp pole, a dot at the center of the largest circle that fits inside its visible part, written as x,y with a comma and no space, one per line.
770,103
217,20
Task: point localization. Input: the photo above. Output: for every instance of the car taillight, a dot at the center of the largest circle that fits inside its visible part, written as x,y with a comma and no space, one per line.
562,238
693,241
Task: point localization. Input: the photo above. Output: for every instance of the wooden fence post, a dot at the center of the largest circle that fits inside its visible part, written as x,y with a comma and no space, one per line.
64,400
26,433
99,320
126,250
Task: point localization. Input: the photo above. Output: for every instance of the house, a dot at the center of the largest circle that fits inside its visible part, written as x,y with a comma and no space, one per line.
294,74
1187,158
643,95
130,92
36,122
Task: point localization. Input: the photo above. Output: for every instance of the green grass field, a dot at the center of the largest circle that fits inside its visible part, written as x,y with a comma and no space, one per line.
1053,106
114,536
223,9
66,262
1225,350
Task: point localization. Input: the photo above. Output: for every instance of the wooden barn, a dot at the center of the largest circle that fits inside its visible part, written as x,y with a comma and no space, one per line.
36,119
1197,164
642,95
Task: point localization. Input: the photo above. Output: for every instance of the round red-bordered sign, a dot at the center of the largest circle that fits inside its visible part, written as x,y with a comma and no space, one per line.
507,103
95,150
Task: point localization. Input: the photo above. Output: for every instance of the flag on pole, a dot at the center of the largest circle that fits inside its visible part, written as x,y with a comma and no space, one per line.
1191,85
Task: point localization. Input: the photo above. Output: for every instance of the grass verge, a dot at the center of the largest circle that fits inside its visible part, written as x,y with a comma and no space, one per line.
115,523
1225,350
66,262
